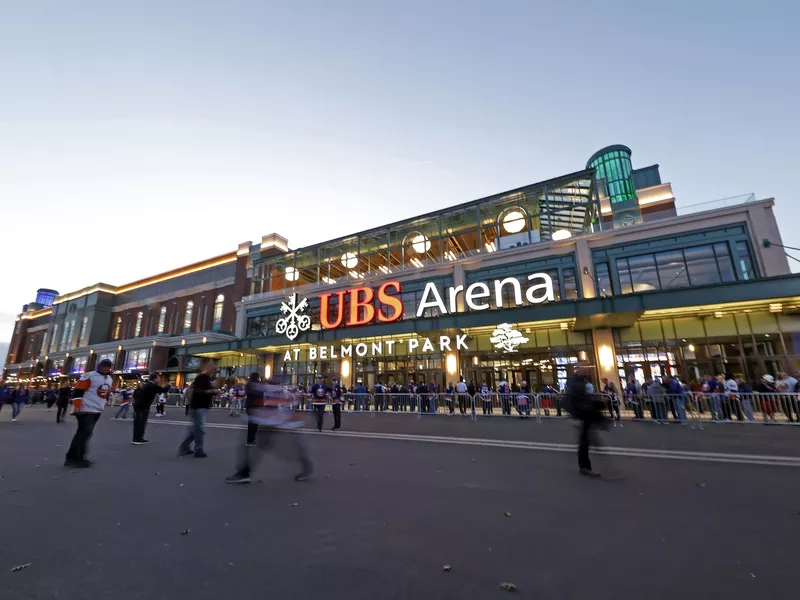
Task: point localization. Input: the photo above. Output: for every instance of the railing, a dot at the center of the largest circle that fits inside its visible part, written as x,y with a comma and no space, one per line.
715,204
692,408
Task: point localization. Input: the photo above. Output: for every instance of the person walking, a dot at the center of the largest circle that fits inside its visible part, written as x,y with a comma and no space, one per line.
268,417
142,401
91,394
18,400
319,398
588,409
337,397
6,395
62,401
50,397
201,396
125,397
161,403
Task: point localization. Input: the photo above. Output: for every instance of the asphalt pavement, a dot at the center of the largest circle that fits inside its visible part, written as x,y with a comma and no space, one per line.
382,516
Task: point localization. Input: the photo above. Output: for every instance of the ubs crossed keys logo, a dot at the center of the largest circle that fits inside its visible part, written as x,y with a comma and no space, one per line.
294,322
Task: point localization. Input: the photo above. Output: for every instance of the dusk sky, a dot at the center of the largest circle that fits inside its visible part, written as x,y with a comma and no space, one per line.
140,136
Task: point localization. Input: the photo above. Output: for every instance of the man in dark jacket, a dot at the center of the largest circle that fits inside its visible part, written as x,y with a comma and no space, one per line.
142,401
62,402
589,411
202,394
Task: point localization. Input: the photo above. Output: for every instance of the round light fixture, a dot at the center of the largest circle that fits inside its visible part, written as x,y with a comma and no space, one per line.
514,221
561,234
420,244
291,274
349,260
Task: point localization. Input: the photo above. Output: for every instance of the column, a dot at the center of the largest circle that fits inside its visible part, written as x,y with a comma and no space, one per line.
605,356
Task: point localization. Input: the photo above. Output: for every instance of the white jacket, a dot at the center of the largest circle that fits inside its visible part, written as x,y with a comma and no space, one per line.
96,389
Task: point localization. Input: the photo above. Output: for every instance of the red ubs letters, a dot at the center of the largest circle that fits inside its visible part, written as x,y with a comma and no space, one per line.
361,298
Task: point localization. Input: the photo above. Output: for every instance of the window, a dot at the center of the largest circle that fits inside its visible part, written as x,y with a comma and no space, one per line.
55,338
202,325
137,359
702,265
570,284
745,261
218,303
603,279
187,316
699,265
117,327
162,317
138,329
672,269
724,262
65,337
79,364
82,336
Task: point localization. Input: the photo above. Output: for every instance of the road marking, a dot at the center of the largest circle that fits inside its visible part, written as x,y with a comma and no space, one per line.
718,457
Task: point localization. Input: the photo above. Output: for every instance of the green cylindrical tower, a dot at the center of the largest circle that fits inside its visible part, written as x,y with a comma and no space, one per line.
613,164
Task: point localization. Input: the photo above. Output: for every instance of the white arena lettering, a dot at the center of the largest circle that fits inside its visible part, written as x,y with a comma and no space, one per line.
361,349
478,296
445,344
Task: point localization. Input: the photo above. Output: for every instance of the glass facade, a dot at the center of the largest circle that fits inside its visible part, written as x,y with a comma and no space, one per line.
502,222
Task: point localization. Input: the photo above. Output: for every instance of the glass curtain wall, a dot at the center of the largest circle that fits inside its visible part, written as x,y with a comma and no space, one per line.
523,217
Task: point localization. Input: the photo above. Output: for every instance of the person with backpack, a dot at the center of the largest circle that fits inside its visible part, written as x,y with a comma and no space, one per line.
587,409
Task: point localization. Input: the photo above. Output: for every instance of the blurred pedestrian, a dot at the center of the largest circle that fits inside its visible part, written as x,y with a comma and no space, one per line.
18,400
125,397
50,397
268,416
62,401
587,409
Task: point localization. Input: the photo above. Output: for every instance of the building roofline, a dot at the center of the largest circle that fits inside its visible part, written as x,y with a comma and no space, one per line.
463,205
153,279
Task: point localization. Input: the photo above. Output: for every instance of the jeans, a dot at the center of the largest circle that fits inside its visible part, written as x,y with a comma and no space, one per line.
122,412
16,408
678,408
80,442
197,430
659,411
714,406
140,416
747,405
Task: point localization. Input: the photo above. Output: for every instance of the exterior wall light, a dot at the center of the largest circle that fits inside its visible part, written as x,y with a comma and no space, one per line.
606,357
514,221
451,364
291,274
349,260
561,234
420,244
345,368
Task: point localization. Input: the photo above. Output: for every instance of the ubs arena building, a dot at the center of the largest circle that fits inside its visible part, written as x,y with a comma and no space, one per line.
594,270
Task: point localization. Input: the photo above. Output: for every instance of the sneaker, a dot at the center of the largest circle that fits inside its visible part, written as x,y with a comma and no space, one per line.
589,473
253,445
78,464
200,454
140,442
237,478
14,420
186,452
302,477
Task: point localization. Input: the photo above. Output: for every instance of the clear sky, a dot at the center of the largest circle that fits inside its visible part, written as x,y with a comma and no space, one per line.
140,136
